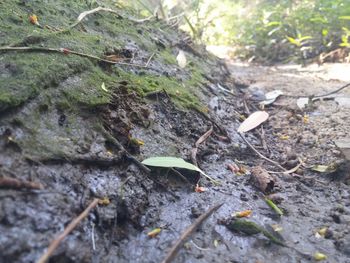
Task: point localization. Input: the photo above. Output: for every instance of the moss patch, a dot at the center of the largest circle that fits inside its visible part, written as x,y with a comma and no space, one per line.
53,91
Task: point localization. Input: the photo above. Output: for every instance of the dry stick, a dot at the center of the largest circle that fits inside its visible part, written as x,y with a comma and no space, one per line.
13,183
189,231
201,139
319,96
98,9
67,52
149,60
332,92
261,155
56,242
126,154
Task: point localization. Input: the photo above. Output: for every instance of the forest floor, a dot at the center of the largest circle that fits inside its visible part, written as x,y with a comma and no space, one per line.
75,127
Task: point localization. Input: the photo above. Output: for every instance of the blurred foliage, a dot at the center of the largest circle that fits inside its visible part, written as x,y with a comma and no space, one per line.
260,30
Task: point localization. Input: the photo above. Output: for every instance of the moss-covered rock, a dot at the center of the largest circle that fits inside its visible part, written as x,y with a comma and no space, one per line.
48,86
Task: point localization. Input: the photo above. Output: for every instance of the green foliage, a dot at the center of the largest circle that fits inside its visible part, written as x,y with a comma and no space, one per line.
262,30
279,30
170,162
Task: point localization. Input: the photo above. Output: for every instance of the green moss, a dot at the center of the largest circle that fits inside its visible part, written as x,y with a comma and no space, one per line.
167,57
182,93
88,90
49,85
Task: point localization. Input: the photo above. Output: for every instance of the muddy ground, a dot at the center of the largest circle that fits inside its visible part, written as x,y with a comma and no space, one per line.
62,128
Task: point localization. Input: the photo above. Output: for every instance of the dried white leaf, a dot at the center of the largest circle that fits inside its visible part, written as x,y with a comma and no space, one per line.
181,59
271,96
253,121
302,102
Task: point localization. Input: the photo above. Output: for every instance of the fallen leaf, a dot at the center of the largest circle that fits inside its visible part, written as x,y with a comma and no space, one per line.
319,256
233,167
103,87
322,232
245,213
216,243
181,59
323,168
274,207
262,180
65,51
251,228
136,141
253,121
271,96
302,102
200,189
154,232
171,162
277,228
33,19
284,137
306,119
104,201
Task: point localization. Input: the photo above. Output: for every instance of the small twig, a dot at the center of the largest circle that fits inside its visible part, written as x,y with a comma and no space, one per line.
56,242
198,247
318,96
332,92
13,183
149,60
98,9
263,140
93,236
189,231
261,155
121,148
201,139
67,52
180,175
290,171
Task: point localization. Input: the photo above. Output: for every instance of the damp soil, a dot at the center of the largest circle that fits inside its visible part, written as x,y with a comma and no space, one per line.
72,130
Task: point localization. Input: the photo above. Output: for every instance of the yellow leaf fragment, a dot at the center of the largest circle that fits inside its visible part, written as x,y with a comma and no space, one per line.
136,141
319,256
277,228
154,232
322,232
33,19
103,87
216,243
245,213
104,201
284,137
324,168
306,118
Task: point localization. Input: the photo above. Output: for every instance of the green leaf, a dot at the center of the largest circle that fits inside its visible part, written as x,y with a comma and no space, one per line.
173,162
344,17
294,41
274,207
274,23
324,32
301,39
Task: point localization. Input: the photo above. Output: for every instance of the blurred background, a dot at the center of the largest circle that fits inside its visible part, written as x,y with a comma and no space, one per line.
263,31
